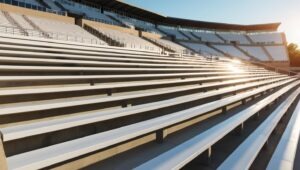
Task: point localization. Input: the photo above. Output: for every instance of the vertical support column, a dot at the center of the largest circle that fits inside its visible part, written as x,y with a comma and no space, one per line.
102,9
257,116
208,153
160,135
3,162
224,109
92,83
124,104
266,145
239,130
206,157
109,92
243,101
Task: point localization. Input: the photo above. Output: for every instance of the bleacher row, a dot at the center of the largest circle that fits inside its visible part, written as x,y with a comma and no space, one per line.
63,102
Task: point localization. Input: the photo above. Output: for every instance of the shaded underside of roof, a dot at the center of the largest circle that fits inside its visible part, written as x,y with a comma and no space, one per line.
160,19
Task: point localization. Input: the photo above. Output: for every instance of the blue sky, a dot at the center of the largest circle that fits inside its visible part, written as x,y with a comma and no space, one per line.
232,11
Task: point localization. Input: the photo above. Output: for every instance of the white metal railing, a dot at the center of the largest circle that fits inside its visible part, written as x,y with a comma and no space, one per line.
49,35
73,38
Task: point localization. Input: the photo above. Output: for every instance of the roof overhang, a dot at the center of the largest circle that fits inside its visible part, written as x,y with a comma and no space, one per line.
144,14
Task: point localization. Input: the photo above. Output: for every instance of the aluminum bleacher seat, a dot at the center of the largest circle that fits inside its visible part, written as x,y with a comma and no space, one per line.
42,158
284,156
245,154
179,156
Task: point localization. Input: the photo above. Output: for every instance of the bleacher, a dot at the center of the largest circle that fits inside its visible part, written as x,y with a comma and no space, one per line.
51,89
202,49
278,53
234,37
134,23
173,31
52,5
208,37
194,35
32,2
170,45
70,100
129,40
64,31
232,51
266,38
87,11
256,51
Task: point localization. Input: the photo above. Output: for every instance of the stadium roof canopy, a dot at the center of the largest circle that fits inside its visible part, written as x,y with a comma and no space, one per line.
160,19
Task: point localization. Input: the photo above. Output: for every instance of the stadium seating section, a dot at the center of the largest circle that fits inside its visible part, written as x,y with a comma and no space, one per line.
248,46
164,97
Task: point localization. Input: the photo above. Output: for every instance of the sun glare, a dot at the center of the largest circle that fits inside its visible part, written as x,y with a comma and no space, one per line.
236,61
235,67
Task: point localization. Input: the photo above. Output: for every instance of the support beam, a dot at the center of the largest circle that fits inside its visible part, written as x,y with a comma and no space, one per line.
268,106
244,101
239,130
257,116
266,145
224,109
92,83
124,105
208,156
109,92
160,136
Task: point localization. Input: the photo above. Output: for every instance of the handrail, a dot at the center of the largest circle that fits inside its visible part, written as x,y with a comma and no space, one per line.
52,35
